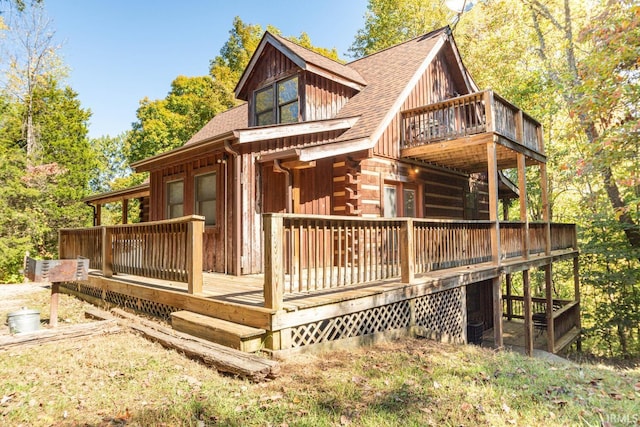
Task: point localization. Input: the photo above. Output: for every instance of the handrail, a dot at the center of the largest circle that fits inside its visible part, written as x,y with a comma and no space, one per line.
309,253
169,249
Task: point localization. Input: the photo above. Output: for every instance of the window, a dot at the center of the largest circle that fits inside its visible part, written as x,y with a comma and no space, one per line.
205,199
175,199
409,202
390,201
283,108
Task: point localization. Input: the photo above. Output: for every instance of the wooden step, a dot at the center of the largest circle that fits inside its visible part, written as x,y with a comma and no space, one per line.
234,335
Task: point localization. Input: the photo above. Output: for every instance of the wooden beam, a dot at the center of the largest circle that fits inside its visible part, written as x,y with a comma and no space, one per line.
509,301
107,252
576,285
524,218
195,232
273,262
492,166
528,321
546,212
549,297
125,210
497,311
53,307
407,253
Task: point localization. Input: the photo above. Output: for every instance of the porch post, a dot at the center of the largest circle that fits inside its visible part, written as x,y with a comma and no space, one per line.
492,164
497,311
546,212
509,300
195,232
125,210
407,255
107,252
528,326
522,187
273,261
576,285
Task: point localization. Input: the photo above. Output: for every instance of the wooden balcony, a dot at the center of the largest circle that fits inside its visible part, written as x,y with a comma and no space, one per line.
454,133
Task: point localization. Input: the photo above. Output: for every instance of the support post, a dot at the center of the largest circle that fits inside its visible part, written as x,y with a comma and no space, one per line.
509,300
407,253
528,321
546,211
107,252
497,312
492,164
576,285
125,210
522,188
195,232
53,306
551,345
488,110
273,261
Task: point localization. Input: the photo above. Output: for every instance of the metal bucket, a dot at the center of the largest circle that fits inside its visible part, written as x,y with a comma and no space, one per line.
23,320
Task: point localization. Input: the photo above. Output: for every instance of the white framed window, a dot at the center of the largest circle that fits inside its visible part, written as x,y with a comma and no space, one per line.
206,197
390,201
277,103
409,202
175,199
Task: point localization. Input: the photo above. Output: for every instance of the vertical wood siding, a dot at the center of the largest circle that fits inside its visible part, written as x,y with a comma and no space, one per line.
435,85
324,98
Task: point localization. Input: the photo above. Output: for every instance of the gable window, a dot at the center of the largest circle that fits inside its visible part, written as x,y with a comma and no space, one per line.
277,103
205,197
175,199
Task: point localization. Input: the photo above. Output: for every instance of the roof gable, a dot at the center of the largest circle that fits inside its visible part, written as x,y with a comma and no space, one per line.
303,58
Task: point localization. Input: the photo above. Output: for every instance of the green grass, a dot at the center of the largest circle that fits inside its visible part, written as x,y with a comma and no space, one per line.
124,379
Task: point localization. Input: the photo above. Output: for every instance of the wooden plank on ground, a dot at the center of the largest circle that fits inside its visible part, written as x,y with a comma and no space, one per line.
66,333
222,358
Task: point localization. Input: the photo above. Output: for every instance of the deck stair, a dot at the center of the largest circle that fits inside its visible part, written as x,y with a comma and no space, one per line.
234,335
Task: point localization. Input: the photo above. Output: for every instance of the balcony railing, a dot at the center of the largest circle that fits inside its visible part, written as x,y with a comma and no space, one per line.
313,253
469,115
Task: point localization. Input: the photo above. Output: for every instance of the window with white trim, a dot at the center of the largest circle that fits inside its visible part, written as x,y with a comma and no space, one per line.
205,197
175,199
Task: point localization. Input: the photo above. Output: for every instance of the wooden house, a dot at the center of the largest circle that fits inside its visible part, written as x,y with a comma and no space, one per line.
341,203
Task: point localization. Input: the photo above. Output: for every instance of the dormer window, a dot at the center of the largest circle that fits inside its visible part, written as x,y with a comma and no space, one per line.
283,108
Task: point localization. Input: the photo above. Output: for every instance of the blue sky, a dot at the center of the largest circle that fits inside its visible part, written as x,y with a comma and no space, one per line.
120,51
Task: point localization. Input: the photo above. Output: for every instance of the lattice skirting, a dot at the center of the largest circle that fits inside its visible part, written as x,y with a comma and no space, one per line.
442,315
142,305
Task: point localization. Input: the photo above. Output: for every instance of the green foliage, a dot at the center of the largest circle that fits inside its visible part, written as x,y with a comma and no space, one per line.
168,123
39,199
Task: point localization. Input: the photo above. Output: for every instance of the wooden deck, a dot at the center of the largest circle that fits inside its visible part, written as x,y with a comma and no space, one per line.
248,290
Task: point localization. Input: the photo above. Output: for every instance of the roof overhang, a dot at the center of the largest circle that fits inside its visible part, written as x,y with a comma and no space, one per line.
186,150
134,192
263,133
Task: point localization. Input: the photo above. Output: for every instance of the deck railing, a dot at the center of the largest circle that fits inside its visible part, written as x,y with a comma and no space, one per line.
82,242
307,253
566,314
468,115
168,250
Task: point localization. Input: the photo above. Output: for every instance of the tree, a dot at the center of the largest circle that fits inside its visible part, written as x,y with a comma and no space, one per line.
389,22
32,60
